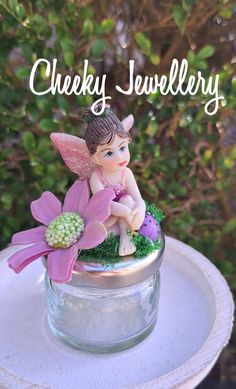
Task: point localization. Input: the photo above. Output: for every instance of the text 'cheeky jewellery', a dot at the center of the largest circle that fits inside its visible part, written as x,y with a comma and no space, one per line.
177,82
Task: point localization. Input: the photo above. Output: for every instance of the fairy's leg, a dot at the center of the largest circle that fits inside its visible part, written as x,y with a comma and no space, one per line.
110,221
115,229
127,247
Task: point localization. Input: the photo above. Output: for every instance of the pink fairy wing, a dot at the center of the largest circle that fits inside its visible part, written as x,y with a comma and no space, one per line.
75,154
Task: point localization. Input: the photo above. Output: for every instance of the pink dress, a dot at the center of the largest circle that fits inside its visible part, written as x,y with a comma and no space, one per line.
119,189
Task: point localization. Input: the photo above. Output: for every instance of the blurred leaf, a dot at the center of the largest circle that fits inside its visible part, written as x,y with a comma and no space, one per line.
72,7
29,141
87,29
191,57
20,11
205,52
27,51
32,111
36,21
63,104
22,73
47,183
53,18
155,59
226,13
17,8
98,47
43,145
208,154
6,200
143,42
107,25
230,226
43,103
229,163
48,125
233,153
200,64
13,4
86,12
67,44
152,128
186,4
178,15
69,58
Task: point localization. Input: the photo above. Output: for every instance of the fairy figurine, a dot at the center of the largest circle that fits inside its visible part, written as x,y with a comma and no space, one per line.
102,158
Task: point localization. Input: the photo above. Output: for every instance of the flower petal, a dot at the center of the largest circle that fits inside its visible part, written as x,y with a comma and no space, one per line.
77,198
98,208
60,264
29,236
46,208
24,257
94,234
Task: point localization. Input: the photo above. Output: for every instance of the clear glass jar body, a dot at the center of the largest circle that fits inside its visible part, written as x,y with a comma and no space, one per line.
103,320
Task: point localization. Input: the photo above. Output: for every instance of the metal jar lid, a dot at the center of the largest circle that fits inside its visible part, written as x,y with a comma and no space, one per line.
128,271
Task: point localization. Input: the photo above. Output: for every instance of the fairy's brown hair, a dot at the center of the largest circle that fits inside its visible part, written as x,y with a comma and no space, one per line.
102,129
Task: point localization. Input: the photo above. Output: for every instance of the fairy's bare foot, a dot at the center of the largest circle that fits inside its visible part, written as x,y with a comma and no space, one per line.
127,247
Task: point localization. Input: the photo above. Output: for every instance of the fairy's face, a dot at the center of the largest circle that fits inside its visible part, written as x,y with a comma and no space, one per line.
113,156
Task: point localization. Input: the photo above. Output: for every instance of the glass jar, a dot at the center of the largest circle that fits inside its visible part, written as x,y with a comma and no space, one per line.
107,308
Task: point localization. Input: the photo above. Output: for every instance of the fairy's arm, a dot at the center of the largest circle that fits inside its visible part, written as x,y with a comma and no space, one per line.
131,186
139,208
95,183
117,209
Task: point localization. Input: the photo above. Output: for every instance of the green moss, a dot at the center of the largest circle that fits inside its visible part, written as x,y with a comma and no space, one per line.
107,252
156,212
145,246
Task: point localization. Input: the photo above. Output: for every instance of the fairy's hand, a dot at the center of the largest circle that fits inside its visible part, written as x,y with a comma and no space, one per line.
130,220
138,215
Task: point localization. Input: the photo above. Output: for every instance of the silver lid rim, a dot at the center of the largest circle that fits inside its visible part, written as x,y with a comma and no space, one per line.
128,271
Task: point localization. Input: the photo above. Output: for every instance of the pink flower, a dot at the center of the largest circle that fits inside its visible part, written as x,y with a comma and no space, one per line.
46,209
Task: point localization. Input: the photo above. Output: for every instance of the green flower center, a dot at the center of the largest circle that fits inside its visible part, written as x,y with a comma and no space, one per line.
65,230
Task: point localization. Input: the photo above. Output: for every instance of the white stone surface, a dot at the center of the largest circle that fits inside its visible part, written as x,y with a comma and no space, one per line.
195,322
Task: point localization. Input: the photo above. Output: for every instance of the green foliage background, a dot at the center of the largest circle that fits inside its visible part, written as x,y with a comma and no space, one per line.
183,159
